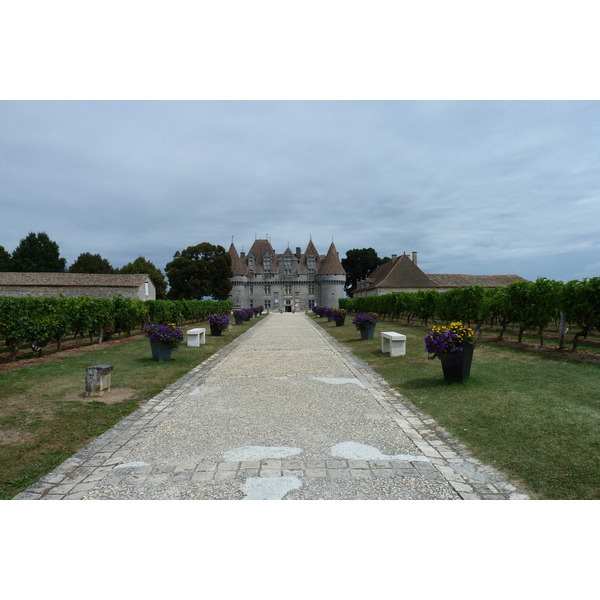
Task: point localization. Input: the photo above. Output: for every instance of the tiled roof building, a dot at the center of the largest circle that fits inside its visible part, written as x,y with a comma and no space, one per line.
76,284
290,281
401,274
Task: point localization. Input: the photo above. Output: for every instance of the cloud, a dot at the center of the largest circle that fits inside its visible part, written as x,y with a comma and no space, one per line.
472,186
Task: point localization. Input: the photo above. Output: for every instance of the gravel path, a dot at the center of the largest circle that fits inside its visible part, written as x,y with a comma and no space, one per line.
283,412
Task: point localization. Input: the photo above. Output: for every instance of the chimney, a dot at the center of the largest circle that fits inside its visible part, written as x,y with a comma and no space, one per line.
242,254
394,256
298,253
414,259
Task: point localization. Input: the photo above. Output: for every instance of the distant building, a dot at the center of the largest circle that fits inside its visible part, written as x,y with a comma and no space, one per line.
287,282
401,274
71,285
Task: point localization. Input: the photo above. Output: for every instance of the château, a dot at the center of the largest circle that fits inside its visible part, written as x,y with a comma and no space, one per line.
287,282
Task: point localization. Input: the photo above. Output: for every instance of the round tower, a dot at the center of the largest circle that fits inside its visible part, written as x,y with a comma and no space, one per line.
331,278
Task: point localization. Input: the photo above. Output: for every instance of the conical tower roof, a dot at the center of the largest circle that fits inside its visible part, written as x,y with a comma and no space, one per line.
331,264
238,266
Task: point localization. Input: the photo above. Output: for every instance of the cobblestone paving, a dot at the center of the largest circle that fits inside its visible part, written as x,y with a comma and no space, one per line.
283,412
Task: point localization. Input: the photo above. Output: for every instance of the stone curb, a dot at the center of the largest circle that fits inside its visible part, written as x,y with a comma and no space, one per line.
103,460
468,476
73,478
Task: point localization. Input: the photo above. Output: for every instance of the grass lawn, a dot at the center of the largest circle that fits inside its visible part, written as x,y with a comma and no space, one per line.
535,417
44,419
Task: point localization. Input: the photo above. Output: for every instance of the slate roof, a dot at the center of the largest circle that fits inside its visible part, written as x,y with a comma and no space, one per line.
71,280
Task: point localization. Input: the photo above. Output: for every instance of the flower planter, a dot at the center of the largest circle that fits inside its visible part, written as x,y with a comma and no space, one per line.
457,366
239,320
163,340
159,352
368,333
218,322
339,323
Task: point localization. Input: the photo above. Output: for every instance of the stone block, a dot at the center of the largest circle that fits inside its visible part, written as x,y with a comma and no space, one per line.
98,380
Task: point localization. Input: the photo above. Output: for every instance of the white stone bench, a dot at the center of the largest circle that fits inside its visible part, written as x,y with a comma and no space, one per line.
195,337
394,343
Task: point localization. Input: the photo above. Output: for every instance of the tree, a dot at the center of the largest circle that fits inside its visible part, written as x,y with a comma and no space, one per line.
37,254
544,304
4,259
580,301
358,264
91,263
141,265
199,271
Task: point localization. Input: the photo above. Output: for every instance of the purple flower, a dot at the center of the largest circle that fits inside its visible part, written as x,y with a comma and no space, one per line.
364,320
220,320
168,336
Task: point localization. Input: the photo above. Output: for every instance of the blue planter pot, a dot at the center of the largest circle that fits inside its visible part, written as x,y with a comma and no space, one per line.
160,353
368,333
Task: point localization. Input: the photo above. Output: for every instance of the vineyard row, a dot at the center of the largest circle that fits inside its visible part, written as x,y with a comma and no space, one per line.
39,321
530,305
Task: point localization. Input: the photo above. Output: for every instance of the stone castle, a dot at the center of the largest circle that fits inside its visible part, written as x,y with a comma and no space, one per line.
288,282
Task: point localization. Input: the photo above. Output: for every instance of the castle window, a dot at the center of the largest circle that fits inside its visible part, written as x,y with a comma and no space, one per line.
267,262
310,263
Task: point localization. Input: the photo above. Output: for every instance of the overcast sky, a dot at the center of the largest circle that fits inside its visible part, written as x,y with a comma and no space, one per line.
261,133
475,187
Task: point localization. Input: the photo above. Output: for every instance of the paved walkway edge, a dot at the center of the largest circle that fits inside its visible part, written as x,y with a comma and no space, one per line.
468,476
99,457
471,479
